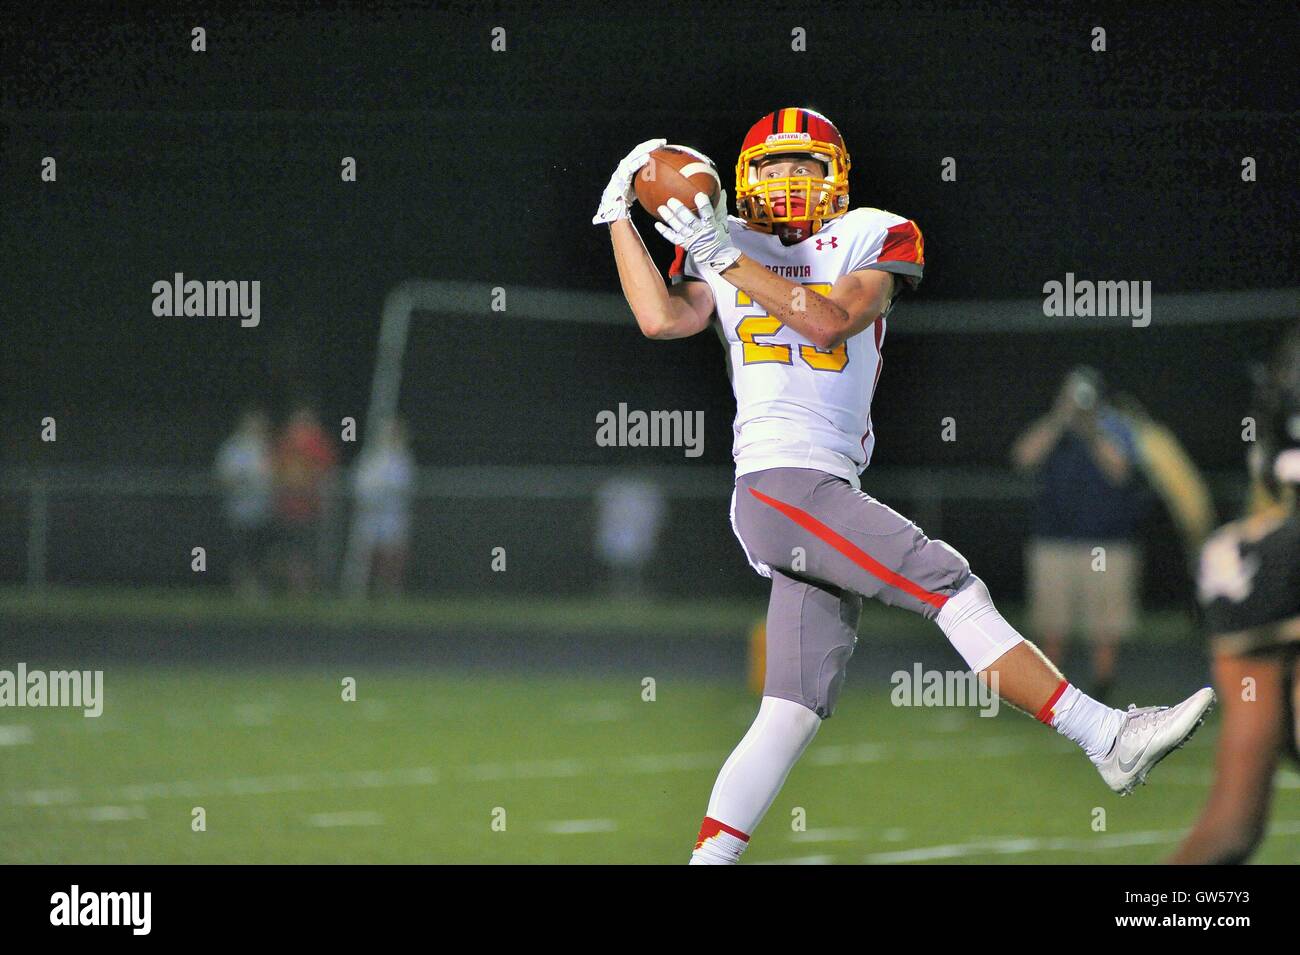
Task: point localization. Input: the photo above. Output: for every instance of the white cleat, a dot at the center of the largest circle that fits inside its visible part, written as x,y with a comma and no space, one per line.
1150,734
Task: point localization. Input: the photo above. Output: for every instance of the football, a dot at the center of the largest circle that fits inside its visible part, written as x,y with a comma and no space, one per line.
676,171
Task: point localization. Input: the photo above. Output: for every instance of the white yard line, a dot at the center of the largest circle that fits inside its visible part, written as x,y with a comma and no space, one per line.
527,769
843,834
670,762
238,786
110,813
800,860
640,764
579,827
1021,845
847,753
18,735
1192,776
338,820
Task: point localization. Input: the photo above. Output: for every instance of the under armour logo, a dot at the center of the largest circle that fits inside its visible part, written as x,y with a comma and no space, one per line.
831,243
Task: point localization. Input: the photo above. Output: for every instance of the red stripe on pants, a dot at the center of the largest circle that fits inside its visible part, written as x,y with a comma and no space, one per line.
852,551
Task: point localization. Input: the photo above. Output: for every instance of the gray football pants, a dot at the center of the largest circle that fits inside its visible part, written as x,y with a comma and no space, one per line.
827,545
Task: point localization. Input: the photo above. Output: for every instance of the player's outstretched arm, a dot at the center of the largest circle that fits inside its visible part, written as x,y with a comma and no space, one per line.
660,311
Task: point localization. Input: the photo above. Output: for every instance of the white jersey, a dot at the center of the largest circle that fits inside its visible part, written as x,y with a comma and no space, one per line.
798,406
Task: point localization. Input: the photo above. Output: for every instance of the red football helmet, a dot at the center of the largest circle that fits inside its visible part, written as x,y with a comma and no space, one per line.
793,206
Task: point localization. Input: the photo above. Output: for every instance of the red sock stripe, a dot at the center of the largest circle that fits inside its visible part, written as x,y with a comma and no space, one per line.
852,551
711,827
1045,714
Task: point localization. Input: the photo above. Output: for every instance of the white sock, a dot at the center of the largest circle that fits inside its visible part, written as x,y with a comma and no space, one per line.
751,777
1092,725
718,845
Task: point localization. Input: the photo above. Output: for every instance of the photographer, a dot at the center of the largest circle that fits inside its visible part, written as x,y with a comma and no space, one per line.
1082,561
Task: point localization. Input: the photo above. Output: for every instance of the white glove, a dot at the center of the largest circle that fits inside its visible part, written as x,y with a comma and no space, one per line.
619,196
702,232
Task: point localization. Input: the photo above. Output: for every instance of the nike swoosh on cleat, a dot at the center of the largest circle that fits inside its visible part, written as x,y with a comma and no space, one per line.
1128,767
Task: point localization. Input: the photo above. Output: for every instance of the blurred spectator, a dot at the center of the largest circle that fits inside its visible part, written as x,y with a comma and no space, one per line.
629,516
305,460
1085,452
244,471
384,481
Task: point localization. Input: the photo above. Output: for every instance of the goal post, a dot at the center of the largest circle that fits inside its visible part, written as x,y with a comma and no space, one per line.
536,304
446,298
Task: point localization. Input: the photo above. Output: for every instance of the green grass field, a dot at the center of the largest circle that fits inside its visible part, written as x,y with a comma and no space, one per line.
711,616
584,769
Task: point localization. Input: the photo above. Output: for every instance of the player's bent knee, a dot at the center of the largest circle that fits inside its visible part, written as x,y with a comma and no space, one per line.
834,666
974,627
794,712
818,689
826,681
815,710
935,567
811,634
831,680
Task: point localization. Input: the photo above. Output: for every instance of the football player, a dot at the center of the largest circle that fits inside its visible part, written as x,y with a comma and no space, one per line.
801,287
1249,586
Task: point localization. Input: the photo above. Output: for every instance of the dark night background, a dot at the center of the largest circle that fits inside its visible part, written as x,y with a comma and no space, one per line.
488,166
